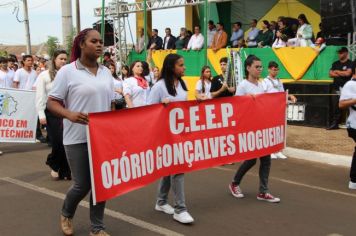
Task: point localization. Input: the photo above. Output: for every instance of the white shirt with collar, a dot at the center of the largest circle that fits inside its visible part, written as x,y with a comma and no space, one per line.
160,92
166,40
25,79
196,42
246,87
82,91
207,87
43,87
6,78
138,95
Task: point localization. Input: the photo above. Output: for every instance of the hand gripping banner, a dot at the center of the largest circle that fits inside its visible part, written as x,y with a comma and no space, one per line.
131,148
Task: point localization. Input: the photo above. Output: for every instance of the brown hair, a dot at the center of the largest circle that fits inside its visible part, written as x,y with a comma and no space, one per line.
52,70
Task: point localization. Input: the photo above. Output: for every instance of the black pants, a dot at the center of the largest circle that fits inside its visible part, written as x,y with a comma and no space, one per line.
38,130
336,119
352,134
57,159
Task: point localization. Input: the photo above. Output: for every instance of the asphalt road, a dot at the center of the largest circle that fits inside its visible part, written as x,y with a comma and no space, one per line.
315,201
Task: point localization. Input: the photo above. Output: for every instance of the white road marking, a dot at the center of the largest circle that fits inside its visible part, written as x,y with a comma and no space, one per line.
115,214
297,183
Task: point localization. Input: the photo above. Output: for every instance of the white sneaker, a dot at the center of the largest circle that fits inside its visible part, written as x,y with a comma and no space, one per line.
1,152
274,156
166,208
54,174
352,185
183,217
342,126
280,155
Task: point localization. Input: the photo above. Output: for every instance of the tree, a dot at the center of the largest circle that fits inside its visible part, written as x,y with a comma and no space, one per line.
3,53
52,45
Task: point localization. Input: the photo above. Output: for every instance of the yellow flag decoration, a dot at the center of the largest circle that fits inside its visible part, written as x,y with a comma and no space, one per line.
296,60
214,58
159,55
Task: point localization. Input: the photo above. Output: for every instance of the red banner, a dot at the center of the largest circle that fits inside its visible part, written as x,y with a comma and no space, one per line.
132,148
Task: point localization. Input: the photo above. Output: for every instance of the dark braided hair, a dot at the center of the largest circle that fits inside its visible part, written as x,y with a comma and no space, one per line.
76,51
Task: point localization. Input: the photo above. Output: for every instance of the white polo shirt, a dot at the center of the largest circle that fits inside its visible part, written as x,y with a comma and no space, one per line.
82,91
246,87
207,87
196,42
137,94
159,92
7,78
117,85
26,79
349,92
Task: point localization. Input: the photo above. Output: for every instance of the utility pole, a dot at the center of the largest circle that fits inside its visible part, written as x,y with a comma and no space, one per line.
67,22
27,28
77,8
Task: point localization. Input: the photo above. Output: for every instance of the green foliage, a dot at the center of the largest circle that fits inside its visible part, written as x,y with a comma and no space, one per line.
52,45
3,53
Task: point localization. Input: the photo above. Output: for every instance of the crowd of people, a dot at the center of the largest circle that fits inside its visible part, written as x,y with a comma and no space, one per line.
285,32
66,93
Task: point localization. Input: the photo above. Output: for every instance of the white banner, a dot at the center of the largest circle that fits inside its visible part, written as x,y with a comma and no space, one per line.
18,116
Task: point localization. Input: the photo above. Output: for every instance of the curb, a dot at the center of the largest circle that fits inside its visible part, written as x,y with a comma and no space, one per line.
320,157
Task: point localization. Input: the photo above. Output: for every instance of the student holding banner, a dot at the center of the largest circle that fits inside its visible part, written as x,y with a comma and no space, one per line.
252,86
57,159
272,84
83,86
136,86
171,88
6,74
202,88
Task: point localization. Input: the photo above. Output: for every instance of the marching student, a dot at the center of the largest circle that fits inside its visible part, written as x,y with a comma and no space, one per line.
6,74
25,77
252,86
202,88
219,87
83,86
155,75
119,97
170,88
12,63
272,84
124,72
57,159
135,87
348,100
